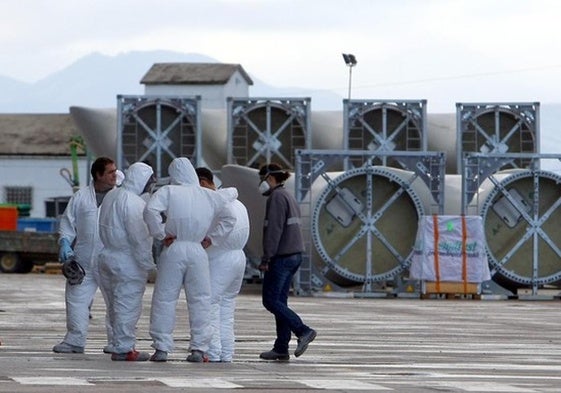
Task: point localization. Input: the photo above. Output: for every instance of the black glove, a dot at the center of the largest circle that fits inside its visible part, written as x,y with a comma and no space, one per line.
73,272
264,265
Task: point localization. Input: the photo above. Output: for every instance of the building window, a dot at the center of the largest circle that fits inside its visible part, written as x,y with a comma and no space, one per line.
18,195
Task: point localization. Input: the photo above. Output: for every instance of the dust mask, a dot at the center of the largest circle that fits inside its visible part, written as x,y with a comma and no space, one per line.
264,187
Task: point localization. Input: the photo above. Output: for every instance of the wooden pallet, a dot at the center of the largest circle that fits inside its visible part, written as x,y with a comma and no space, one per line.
48,268
450,290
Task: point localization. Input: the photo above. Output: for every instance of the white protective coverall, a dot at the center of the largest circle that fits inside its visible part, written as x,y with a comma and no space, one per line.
126,258
227,267
79,223
189,210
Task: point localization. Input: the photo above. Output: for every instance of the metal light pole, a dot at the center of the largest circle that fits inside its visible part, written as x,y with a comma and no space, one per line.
350,60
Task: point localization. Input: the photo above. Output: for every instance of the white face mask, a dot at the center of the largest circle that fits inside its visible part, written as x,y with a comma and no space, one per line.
264,187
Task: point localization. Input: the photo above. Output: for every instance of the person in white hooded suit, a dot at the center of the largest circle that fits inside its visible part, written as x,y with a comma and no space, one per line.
224,244
126,259
189,211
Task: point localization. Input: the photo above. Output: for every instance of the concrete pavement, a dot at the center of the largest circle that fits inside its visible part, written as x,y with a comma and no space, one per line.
393,345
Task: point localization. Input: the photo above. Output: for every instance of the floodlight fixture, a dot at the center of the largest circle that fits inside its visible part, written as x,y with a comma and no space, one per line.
350,60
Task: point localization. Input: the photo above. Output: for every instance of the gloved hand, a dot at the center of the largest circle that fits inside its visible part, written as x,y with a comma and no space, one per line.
264,265
65,252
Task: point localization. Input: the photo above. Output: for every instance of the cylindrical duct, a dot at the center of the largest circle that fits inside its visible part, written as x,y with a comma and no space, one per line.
98,127
214,137
158,129
441,132
452,195
366,210
502,123
327,130
384,126
267,131
498,128
510,237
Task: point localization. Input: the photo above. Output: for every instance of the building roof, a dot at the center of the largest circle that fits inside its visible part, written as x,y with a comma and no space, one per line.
36,134
192,74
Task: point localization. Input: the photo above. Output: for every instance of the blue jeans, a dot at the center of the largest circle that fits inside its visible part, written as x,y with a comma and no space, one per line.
276,285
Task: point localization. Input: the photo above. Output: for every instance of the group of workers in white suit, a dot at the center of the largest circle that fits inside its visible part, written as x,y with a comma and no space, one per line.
110,230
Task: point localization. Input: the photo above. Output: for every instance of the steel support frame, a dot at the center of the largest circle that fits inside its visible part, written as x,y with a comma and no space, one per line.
412,110
310,164
467,113
476,168
189,106
239,108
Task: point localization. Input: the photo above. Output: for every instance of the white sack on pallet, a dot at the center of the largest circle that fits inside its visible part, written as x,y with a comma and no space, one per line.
450,260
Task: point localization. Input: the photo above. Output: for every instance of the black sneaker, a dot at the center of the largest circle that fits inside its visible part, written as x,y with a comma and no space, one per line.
159,356
67,348
273,355
303,342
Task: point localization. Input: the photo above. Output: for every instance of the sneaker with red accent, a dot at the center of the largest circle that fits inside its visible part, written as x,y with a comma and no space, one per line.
132,356
197,356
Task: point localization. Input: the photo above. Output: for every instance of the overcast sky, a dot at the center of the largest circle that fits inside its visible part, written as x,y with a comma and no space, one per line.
445,51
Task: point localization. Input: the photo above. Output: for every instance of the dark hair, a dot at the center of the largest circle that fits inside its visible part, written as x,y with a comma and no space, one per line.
204,173
98,166
275,170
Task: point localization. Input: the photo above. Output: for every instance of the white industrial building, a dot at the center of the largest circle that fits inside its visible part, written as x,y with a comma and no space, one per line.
34,148
213,82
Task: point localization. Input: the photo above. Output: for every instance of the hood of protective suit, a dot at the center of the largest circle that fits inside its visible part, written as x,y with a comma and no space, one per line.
181,172
120,178
136,177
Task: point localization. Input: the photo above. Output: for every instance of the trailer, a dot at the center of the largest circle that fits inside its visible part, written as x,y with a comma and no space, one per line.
20,250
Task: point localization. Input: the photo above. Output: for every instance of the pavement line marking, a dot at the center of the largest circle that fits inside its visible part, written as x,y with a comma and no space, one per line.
488,376
70,381
198,383
347,384
472,386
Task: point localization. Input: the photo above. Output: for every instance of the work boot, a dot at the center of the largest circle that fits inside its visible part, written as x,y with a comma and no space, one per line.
197,356
67,348
159,356
273,355
132,356
303,342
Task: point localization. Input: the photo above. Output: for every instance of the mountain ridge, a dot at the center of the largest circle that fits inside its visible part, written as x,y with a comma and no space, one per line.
96,79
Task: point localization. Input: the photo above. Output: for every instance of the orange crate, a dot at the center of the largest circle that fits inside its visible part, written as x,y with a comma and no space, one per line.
451,287
8,218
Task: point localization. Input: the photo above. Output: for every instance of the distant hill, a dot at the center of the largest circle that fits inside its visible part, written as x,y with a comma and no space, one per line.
95,81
